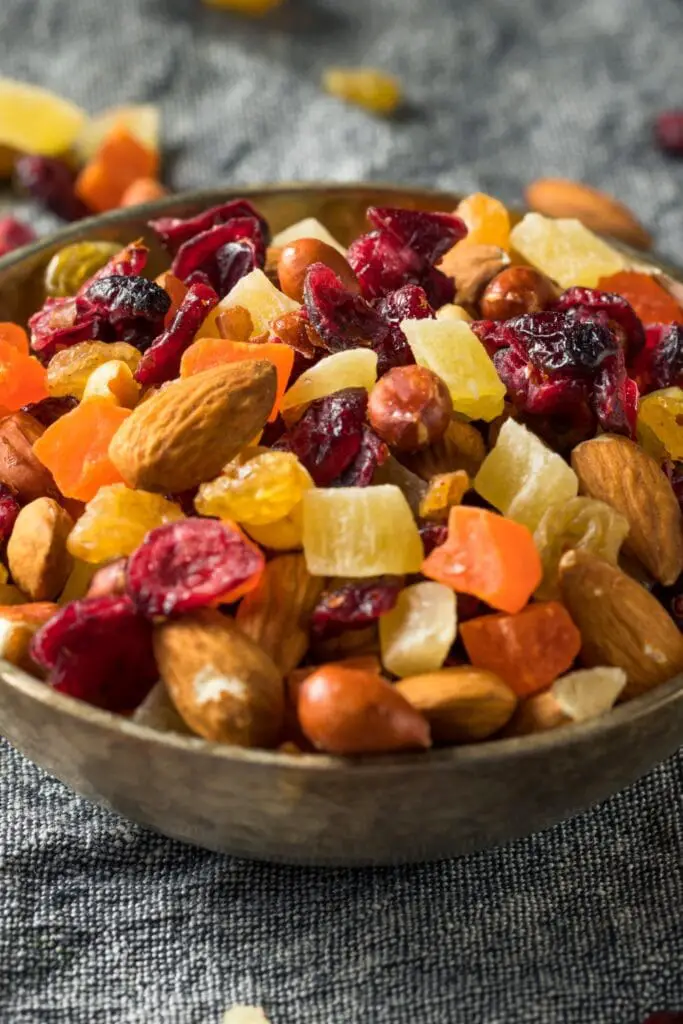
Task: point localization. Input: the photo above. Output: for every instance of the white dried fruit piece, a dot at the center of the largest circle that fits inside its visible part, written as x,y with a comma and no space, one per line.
309,227
589,692
113,381
262,300
245,1015
417,634
354,368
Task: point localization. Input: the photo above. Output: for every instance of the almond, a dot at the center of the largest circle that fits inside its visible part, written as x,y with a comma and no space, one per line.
277,614
20,470
621,473
536,714
224,686
36,553
186,432
349,711
18,623
559,197
621,623
461,704
473,266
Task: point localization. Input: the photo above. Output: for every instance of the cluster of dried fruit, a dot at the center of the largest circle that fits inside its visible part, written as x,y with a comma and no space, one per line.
72,164
422,491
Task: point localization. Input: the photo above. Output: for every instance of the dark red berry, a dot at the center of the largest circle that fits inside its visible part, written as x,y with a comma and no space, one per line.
433,536
341,318
660,363
408,303
161,361
621,316
99,650
9,510
120,298
49,410
373,452
328,436
669,131
355,605
175,231
14,234
430,235
188,564
51,182
221,255
129,262
382,266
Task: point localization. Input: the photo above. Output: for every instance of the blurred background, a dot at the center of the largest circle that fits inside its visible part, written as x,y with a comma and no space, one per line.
496,93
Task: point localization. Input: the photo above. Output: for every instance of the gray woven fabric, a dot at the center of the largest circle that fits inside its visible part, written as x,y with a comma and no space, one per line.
103,922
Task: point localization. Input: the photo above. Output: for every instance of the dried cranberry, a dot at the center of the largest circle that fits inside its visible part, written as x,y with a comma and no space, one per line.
617,309
555,341
161,361
439,288
328,436
121,299
341,318
493,334
660,363
49,410
14,234
188,564
51,182
669,131
433,536
373,452
98,649
9,510
62,323
382,266
615,396
129,262
407,303
354,605
175,231
428,234
215,255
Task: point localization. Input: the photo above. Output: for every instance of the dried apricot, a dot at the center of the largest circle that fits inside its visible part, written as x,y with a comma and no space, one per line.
209,352
22,378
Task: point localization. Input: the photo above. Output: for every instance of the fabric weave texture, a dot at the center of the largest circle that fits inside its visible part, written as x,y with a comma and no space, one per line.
101,921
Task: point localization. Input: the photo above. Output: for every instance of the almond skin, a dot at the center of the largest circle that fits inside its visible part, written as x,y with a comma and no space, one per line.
36,553
559,197
621,623
224,686
461,704
350,711
186,432
277,614
620,473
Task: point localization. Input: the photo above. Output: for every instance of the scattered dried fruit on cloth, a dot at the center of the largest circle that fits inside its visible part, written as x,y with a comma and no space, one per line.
375,90
328,473
669,131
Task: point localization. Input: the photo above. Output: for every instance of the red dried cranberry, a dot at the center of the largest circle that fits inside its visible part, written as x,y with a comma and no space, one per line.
202,254
373,452
617,309
408,303
382,266
175,231
555,341
428,234
133,306
62,323
615,396
188,564
433,536
14,234
328,436
99,650
49,410
9,510
341,318
161,361
354,605
669,131
129,262
660,363
439,288
51,182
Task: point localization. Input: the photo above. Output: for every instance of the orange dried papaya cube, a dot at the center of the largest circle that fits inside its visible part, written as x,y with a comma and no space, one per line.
22,378
120,161
488,556
652,303
528,650
487,220
176,291
209,352
76,448
15,336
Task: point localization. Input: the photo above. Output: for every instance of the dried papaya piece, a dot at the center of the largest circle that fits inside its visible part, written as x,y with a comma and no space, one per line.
120,161
22,378
206,353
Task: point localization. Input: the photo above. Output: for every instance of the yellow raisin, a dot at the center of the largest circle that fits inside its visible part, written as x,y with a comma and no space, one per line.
68,370
116,521
370,88
258,492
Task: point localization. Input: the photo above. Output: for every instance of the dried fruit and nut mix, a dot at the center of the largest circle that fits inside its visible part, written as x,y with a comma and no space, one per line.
426,490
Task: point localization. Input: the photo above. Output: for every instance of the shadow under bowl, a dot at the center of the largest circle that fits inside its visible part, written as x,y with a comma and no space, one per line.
316,809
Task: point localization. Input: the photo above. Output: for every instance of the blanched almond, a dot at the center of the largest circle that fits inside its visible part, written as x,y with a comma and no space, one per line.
37,554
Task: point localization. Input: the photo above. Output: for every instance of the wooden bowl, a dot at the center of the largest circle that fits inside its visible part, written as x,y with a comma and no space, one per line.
317,809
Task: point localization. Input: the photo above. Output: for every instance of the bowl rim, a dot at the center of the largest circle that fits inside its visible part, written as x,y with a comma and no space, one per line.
574,734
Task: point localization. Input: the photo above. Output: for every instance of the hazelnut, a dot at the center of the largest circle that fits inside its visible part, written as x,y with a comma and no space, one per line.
517,290
297,257
410,408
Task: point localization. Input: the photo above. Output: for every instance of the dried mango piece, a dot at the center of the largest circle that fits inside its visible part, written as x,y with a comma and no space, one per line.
35,120
22,378
652,303
487,220
120,160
